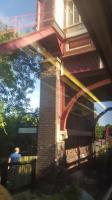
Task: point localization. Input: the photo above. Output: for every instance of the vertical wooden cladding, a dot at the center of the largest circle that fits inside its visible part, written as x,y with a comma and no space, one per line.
45,13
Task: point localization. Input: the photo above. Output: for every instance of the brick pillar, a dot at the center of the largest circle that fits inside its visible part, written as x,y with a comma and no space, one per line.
50,144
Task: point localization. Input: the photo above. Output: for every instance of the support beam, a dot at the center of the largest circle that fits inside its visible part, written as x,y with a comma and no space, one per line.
12,45
65,72
74,100
81,86
74,87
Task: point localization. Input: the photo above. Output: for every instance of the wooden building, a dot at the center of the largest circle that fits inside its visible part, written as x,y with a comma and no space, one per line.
71,67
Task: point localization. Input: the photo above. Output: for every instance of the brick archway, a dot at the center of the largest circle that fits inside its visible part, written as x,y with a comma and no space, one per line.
74,99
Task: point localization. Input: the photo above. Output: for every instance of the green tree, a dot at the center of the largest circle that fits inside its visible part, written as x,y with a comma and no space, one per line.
15,121
18,73
2,123
99,131
30,119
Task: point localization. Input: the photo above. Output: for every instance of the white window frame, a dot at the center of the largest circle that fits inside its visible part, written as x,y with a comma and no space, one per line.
74,10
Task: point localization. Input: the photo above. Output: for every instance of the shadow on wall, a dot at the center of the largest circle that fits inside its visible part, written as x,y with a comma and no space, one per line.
76,154
79,150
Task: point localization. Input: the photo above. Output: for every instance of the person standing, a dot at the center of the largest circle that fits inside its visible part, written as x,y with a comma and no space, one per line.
13,168
15,156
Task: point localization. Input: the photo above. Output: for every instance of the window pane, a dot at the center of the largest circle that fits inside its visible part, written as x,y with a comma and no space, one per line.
70,13
76,16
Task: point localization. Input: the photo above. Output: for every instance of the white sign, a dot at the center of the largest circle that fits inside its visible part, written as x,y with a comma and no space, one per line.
32,130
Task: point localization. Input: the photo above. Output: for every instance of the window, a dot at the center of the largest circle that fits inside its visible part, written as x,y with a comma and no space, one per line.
72,15
59,12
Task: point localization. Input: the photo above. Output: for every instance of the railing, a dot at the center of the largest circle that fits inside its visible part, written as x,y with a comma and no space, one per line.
19,175
20,24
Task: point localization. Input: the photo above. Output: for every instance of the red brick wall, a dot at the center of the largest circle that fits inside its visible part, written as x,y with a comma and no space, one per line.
49,125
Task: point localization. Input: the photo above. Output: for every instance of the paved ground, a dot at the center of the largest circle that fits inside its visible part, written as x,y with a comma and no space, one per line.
27,195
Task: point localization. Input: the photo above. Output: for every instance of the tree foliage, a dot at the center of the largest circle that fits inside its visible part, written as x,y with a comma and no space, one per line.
12,124
2,123
18,73
15,121
100,131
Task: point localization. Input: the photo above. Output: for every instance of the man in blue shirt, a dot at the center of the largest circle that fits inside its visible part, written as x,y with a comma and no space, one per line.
13,172
15,157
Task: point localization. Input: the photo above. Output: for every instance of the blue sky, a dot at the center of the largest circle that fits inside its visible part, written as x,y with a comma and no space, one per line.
17,7
11,8
107,118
